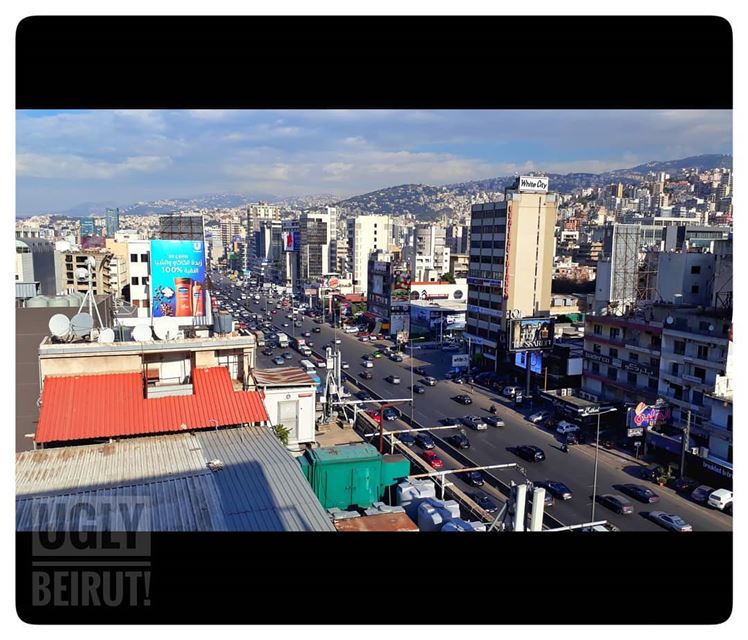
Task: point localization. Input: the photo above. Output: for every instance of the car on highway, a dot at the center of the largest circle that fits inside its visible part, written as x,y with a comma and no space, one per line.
425,441
417,388
393,379
287,355
669,521
367,364
316,329
701,493
475,422
396,357
390,413
548,499
306,334
364,395
434,460
640,492
344,365
463,399
564,427
419,371
556,489
483,501
406,438
285,324
279,360
451,422
473,478
374,415
494,421
366,375
336,340
429,381
616,503
510,392
539,416
530,452
459,440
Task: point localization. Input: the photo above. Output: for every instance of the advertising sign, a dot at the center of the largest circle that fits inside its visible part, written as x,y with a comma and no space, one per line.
647,416
531,334
461,360
291,240
533,184
484,282
177,278
536,361
400,285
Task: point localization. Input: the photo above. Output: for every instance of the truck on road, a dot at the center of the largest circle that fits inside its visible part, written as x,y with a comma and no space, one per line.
282,340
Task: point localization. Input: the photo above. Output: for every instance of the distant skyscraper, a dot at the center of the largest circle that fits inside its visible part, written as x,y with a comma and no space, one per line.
88,228
112,222
366,234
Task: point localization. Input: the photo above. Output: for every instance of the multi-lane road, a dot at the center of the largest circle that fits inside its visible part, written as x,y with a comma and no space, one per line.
494,446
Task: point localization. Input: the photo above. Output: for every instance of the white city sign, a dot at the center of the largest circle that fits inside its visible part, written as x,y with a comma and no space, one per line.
533,184
462,360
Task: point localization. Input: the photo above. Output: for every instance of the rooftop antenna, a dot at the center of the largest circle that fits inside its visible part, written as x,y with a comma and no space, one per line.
82,273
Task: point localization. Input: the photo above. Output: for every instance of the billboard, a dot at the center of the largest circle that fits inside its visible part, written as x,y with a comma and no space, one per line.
461,360
533,184
536,361
400,291
647,416
291,240
177,278
531,334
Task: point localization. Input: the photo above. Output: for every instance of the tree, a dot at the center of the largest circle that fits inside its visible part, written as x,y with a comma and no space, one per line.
282,433
448,277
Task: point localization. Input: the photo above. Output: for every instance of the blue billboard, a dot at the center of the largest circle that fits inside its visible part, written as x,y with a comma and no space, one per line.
177,278
536,361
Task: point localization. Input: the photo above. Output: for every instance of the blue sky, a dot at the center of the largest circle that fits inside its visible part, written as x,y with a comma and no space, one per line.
64,158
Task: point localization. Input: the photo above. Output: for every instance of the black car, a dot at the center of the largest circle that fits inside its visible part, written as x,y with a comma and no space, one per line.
558,489
417,388
396,357
316,329
363,395
640,492
419,371
617,503
530,452
425,441
366,375
701,493
267,352
684,485
484,502
390,413
473,478
463,399
459,440
407,439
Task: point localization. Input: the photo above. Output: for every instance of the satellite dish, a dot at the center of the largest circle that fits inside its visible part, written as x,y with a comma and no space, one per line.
81,324
166,328
81,273
142,333
516,314
669,319
711,327
106,335
91,261
59,325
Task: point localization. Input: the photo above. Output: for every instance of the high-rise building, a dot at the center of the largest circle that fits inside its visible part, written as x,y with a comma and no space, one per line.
112,222
430,256
511,264
365,235
314,258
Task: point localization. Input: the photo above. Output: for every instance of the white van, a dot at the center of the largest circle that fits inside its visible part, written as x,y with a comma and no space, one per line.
566,427
720,498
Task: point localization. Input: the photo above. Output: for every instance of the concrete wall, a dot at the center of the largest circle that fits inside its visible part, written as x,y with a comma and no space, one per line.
90,365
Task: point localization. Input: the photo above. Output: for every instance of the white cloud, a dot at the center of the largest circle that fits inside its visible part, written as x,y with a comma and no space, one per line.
73,167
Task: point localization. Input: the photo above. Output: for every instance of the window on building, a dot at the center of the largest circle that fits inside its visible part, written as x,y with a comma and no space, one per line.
697,398
597,329
695,269
595,367
673,368
612,352
634,357
729,422
704,325
702,352
135,280
144,257
596,348
133,257
615,333
652,383
631,378
695,288
679,347
700,373
656,342
612,373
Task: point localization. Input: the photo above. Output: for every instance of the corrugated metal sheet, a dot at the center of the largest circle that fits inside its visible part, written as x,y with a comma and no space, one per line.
284,376
260,488
113,405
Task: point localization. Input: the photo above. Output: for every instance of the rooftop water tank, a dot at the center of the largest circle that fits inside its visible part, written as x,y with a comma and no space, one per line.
75,299
59,301
38,301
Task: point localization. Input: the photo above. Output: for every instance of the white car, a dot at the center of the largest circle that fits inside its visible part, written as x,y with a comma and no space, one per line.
721,499
368,364
509,392
344,365
566,427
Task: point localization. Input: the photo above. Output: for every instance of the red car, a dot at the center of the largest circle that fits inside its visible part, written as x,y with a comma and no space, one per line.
374,415
274,311
434,460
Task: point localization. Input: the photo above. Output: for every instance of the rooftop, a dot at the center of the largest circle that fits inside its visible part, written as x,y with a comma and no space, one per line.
282,376
76,408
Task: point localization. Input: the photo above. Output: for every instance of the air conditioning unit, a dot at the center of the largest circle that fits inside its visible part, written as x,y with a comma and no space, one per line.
703,452
695,450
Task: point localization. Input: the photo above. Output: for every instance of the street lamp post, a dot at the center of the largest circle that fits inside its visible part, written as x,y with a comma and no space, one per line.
597,451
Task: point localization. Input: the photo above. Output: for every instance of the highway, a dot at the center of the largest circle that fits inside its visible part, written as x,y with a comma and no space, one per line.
575,469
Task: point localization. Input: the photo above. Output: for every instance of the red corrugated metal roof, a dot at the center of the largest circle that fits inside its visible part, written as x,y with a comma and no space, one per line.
112,405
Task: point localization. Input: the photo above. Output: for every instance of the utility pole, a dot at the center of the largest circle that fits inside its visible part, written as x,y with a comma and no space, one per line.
529,373
684,444
545,384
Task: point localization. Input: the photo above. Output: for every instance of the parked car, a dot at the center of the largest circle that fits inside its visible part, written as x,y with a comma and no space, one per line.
539,416
419,371
406,438
463,399
417,388
434,460
701,493
564,427
530,452
683,485
267,352
721,499
287,355
510,392
396,357
484,502
390,413
475,422
640,492
429,381
617,503
459,440
393,379
374,415
473,478
366,375
670,521
494,421
557,489
425,441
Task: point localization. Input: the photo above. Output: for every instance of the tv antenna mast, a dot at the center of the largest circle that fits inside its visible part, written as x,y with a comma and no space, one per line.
83,273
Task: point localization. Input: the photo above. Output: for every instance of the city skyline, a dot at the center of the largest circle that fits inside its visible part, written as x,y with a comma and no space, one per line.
64,158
